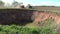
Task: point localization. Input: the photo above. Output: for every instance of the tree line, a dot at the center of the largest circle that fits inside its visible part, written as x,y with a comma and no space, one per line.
14,4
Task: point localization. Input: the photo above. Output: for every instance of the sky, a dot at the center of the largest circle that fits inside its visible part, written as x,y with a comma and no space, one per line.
37,2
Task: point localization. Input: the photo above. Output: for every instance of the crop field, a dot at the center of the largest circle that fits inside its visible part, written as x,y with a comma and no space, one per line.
57,8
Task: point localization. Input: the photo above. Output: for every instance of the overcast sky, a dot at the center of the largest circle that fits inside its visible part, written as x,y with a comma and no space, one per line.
37,2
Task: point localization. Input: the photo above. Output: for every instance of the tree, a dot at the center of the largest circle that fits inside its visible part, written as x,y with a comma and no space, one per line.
29,6
8,5
1,3
15,3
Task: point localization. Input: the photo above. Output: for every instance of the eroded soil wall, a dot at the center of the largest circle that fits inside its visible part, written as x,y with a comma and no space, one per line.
16,16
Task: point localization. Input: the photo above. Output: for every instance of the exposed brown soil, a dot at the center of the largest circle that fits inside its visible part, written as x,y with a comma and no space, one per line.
23,17
15,16
42,16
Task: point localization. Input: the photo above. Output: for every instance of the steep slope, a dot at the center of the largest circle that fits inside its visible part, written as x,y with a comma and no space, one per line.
42,16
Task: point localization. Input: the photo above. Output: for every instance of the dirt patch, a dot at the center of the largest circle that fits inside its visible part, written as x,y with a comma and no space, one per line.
15,16
23,17
42,16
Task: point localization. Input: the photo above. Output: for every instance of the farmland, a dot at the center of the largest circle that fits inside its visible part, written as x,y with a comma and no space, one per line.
25,21
26,17
43,8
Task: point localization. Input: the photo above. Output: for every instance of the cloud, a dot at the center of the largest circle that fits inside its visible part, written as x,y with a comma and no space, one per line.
8,1
36,2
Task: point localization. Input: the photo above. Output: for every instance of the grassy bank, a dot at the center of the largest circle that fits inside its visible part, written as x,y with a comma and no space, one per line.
13,29
46,27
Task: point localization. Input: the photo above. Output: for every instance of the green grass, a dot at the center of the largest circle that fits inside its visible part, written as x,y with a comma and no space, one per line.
13,29
52,11
45,28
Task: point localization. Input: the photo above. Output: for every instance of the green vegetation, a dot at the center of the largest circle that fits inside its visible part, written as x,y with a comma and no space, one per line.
1,3
49,27
46,27
13,29
52,11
